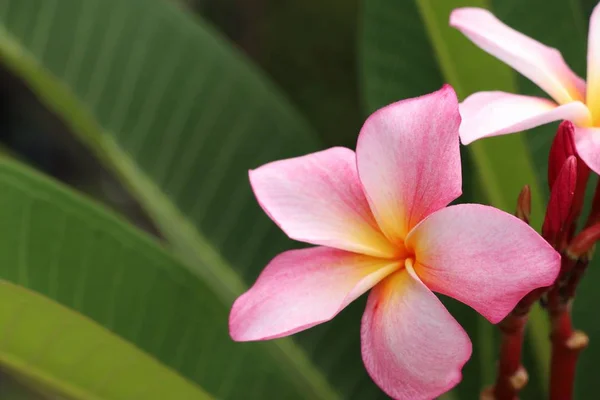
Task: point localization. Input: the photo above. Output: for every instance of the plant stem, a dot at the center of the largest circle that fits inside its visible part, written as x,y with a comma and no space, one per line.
512,376
567,343
566,346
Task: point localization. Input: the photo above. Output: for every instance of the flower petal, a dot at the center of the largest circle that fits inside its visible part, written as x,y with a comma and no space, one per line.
587,143
487,114
543,65
411,346
593,65
318,199
408,160
303,288
482,256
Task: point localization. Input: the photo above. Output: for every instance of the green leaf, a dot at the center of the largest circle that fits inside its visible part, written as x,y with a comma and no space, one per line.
396,58
166,103
70,250
15,388
316,67
586,7
69,355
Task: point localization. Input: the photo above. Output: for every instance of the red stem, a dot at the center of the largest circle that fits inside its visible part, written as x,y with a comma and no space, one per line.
566,346
512,376
567,343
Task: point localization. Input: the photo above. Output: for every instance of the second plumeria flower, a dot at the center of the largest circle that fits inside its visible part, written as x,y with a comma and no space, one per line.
379,220
498,113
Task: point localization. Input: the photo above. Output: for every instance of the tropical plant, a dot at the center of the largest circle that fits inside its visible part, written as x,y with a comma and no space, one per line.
93,308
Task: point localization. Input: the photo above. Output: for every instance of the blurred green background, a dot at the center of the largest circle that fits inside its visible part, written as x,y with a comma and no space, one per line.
117,281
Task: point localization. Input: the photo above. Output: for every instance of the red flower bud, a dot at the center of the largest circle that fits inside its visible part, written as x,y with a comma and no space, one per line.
524,204
562,148
558,215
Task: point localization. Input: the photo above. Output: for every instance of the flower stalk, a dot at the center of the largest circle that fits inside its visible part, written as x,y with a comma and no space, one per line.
567,344
512,375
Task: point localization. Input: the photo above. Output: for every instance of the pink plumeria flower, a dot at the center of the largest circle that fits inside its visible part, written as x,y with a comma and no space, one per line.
380,221
498,113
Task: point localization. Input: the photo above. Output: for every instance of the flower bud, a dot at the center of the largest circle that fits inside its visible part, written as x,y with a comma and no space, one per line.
558,214
562,148
524,204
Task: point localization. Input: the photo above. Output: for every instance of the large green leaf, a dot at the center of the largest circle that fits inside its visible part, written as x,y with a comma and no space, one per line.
586,8
316,67
68,355
70,250
180,117
16,388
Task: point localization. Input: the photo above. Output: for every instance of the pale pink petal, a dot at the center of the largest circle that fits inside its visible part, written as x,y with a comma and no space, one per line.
587,143
302,288
318,199
593,65
487,114
482,256
411,346
408,160
543,65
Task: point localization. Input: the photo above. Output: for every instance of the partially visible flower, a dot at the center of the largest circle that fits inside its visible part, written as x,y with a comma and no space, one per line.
497,113
379,220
